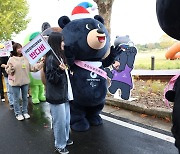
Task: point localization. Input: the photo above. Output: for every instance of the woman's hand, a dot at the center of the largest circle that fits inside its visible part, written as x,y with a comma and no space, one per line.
41,61
3,65
62,66
11,69
116,65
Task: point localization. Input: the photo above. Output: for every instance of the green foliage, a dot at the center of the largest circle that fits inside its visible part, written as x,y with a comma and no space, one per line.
13,17
156,86
149,87
149,46
166,41
143,60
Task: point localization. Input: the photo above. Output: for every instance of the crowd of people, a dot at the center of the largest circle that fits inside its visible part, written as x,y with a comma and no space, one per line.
15,71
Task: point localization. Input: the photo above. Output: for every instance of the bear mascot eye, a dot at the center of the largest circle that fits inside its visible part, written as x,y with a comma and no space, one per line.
89,26
99,26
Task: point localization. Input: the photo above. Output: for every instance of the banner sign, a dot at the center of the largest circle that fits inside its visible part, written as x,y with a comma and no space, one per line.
35,49
4,54
5,48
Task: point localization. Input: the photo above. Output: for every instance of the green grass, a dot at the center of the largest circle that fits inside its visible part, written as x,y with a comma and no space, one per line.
143,60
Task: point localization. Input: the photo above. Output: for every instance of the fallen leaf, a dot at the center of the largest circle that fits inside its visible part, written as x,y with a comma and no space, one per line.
143,115
167,119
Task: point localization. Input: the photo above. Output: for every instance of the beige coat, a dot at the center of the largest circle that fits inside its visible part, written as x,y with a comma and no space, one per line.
18,69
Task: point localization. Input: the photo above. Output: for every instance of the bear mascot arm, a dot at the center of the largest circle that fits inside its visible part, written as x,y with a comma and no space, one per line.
114,51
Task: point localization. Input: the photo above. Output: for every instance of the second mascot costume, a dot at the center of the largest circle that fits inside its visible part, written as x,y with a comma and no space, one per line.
86,43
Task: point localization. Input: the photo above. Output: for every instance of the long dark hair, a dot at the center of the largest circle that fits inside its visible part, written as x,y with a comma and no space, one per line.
54,40
15,47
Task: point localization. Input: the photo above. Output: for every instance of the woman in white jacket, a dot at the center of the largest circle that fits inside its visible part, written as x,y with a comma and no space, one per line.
18,69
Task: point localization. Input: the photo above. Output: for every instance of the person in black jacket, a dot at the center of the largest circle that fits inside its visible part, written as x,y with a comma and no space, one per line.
57,92
3,63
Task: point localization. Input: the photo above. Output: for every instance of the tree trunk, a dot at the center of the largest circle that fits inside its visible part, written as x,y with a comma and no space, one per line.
105,9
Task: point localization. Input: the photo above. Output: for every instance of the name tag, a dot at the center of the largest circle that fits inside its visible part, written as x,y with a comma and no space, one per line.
23,65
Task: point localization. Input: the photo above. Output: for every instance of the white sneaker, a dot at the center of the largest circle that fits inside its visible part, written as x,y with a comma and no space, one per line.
26,116
20,117
3,100
116,95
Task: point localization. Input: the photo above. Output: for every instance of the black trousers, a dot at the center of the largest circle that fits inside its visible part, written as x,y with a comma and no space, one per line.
1,85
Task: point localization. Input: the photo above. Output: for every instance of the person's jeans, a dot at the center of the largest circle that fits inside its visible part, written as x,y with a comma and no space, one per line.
9,91
16,96
61,123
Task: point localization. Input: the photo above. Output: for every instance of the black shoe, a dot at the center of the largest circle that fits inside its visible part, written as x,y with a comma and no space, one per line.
62,151
69,142
2,97
11,107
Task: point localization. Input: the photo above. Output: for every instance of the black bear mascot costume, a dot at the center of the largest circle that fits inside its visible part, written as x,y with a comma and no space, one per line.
168,14
86,43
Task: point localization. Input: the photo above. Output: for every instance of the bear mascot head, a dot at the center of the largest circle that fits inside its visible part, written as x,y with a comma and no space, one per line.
169,20
168,17
86,42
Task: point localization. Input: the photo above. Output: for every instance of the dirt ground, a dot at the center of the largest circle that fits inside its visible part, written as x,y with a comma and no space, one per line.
150,93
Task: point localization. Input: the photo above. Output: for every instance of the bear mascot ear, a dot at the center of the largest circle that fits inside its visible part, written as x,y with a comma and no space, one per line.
63,21
168,15
170,95
99,18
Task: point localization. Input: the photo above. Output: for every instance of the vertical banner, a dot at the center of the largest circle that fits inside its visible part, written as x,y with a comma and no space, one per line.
35,49
8,46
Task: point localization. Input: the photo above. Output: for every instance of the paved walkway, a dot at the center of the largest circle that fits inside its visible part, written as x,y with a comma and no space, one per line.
139,118
34,136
